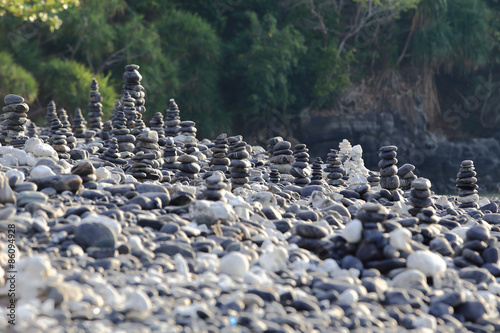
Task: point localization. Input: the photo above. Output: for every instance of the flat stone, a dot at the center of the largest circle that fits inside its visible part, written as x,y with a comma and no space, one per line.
95,235
311,231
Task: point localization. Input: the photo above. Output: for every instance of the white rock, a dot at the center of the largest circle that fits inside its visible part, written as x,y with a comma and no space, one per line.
461,232
426,321
102,173
33,275
348,297
483,202
267,199
31,143
429,263
274,259
468,198
234,263
209,212
26,313
41,171
44,150
137,300
9,161
181,264
400,239
14,172
409,279
114,225
352,232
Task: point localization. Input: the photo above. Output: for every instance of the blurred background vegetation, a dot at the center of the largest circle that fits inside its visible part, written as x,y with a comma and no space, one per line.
253,67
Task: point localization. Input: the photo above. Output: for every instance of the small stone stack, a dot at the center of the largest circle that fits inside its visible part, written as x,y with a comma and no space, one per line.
133,86
139,126
219,154
63,117
90,136
232,142
300,168
420,195
15,116
146,165
32,131
274,176
467,187
156,124
271,143
188,168
147,142
388,169
188,128
95,107
334,169
170,154
282,156
373,178
112,154
125,140
128,107
58,139
79,125
70,138
215,187
406,176
172,120
317,172
240,166
86,171
345,148
191,146
50,114
106,131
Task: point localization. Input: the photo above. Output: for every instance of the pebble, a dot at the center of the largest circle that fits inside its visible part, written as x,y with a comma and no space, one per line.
234,264
429,263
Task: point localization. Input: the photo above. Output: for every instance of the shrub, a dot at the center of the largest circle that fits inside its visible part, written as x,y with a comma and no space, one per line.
14,79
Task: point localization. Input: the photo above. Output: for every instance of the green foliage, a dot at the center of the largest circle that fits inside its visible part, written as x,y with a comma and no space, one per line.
43,10
67,82
14,79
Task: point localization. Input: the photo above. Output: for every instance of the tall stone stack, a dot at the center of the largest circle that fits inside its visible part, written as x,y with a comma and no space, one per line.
50,114
146,162
125,140
219,154
95,107
139,126
420,195
271,143
156,124
32,131
112,154
15,116
388,169
215,187
233,141
58,139
188,128
128,108
467,187
170,154
147,142
106,130
79,125
334,169
188,168
63,117
317,172
172,119
300,168
240,166
133,86
282,157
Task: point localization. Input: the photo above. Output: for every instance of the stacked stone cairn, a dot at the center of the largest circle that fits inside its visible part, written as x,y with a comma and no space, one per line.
188,168
317,172
95,107
467,187
112,153
50,114
128,107
300,168
282,157
15,116
147,142
58,139
170,154
219,160
172,120
125,140
63,117
240,166
215,187
139,126
32,131
335,172
232,142
156,124
86,171
188,128
271,143
90,136
406,176
106,131
79,125
373,178
133,86
388,169
420,196
274,176
146,165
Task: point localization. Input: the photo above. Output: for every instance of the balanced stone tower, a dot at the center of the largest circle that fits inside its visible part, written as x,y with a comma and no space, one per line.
373,178
63,117
274,176
95,107
112,154
300,168
282,157
317,172
15,117
388,169
32,131
146,165
133,86
58,139
128,107
334,169
156,124
50,114
467,187
172,120
188,168
420,195
240,166
170,154
215,187
406,176
271,143
106,130
125,140
188,128
79,125
219,154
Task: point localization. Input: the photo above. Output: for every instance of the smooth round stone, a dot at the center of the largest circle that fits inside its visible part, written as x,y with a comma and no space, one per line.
148,136
95,235
478,232
388,148
472,310
41,171
311,231
390,183
13,99
387,155
7,213
26,197
468,199
282,145
83,168
420,194
189,167
421,184
467,164
234,264
389,171
348,297
385,163
406,168
410,279
491,255
429,263
187,159
352,232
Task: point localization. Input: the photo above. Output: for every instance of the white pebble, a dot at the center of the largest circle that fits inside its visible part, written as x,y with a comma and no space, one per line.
400,238
429,263
353,231
275,259
348,297
234,263
426,321
410,278
41,171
